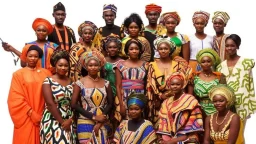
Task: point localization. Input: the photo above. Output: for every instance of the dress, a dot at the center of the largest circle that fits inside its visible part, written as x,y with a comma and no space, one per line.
133,80
49,125
93,100
25,94
219,46
240,78
179,117
145,134
156,84
160,30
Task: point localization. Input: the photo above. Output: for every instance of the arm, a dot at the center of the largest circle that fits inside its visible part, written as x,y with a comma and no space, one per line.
207,131
109,99
118,85
178,139
191,89
186,51
10,48
234,129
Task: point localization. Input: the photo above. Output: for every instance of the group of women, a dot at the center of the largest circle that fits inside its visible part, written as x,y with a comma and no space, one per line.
172,89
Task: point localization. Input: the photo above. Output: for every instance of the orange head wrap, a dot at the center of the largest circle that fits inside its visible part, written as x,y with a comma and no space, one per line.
153,7
167,15
44,22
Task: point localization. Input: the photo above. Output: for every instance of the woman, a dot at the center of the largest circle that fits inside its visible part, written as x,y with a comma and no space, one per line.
238,71
95,97
86,31
203,81
130,77
57,115
25,100
180,117
199,40
42,28
133,26
170,20
220,20
136,130
159,71
223,126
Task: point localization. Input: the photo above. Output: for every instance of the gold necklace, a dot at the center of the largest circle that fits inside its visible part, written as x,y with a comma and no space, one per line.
223,119
207,75
96,79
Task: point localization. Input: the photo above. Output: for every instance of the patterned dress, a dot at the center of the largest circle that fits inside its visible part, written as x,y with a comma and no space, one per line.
50,128
179,117
240,78
93,100
133,80
145,134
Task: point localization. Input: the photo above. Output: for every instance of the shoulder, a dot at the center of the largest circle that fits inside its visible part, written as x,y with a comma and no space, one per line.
70,29
45,71
248,63
148,123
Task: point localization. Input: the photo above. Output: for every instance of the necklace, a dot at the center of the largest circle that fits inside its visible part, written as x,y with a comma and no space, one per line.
223,119
96,79
207,75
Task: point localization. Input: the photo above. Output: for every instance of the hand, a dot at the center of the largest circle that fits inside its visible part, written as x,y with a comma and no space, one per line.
7,47
35,118
122,110
66,125
100,118
96,128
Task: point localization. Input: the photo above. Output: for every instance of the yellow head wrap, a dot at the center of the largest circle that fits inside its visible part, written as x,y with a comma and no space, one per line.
221,15
210,53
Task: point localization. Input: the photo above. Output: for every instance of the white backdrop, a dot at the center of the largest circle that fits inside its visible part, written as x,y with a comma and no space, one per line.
16,28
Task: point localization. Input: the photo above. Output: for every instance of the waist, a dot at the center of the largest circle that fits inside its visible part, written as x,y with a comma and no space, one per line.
133,84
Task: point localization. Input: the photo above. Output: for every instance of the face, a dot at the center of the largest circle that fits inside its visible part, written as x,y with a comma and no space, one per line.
206,63
59,16
163,50
41,32
112,49
109,17
200,24
134,112
231,47
133,29
133,51
170,24
32,58
93,67
220,102
87,35
62,67
176,85
153,17
218,25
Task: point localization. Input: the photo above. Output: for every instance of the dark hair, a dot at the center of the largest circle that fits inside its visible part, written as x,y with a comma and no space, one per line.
133,41
236,38
57,55
36,48
134,18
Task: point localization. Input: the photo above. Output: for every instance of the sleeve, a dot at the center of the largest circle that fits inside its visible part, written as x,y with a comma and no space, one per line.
149,135
151,83
17,102
185,39
146,55
118,134
164,127
72,34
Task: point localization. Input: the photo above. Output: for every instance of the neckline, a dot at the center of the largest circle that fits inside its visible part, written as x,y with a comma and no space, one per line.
59,83
224,129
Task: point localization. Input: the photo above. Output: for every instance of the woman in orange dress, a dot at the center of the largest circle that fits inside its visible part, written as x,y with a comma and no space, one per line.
25,100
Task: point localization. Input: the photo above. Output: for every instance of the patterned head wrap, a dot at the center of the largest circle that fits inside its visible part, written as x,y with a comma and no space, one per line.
109,7
224,91
111,38
29,47
59,6
40,21
178,75
210,53
167,40
167,15
221,15
57,55
138,99
87,25
201,14
87,56
153,7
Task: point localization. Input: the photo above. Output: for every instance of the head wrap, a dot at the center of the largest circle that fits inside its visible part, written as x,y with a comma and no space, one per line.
167,40
221,15
29,47
224,91
109,7
210,53
178,75
153,7
57,55
138,99
40,21
111,38
87,56
59,6
201,14
167,15
87,25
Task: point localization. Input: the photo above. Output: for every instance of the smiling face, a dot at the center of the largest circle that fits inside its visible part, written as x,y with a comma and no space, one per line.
41,32
206,63
176,85
93,67
62,67
230,47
